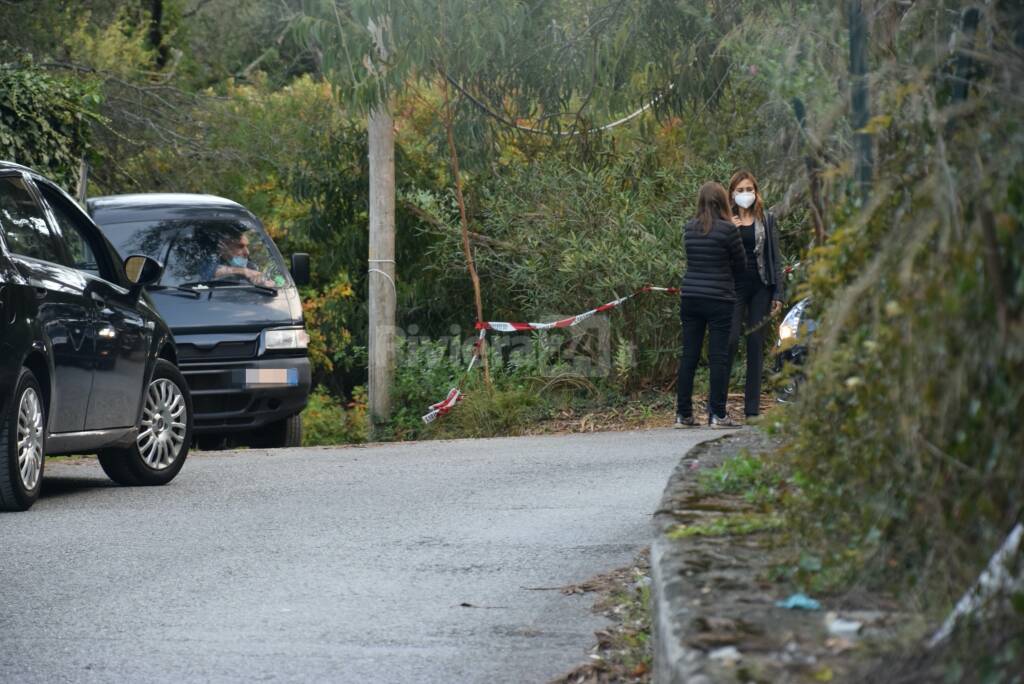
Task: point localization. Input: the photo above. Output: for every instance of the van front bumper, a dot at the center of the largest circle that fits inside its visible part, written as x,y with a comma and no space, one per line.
238,396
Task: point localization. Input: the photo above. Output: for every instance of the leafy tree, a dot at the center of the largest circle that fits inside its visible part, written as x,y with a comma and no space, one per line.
45,120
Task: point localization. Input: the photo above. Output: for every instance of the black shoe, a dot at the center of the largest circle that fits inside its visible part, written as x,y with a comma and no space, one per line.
685,422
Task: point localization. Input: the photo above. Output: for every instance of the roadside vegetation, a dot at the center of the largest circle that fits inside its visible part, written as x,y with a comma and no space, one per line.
900,463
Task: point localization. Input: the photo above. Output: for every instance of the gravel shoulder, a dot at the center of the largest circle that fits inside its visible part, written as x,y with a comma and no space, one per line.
720,564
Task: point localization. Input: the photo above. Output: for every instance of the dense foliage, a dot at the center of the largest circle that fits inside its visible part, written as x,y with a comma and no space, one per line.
909,432
560,237
45,119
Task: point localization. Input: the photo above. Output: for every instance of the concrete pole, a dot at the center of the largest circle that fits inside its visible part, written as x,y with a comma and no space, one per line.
381,267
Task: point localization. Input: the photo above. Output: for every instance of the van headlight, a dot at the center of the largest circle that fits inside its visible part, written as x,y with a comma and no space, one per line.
285,338
787,330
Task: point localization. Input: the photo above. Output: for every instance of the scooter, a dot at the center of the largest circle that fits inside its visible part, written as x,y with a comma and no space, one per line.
791,350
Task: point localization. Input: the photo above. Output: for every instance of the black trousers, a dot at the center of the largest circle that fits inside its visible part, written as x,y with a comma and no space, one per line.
753,302
698,314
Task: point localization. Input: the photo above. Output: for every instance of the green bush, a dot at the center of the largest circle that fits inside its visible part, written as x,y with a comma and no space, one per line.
494,411
44,120
425,371
325,421
562,236
526,383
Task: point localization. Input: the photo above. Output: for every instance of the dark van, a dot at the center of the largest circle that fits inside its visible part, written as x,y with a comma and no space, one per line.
233,307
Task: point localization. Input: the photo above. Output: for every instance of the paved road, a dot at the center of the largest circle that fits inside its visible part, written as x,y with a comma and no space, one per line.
339,564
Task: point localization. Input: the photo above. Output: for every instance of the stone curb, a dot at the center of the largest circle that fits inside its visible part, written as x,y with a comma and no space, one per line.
671,614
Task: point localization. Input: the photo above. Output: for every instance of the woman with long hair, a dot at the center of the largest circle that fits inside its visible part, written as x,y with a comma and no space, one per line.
714,259
760,291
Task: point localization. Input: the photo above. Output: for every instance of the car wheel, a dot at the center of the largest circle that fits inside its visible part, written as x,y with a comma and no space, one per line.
282,433
23,445
789,390
164,435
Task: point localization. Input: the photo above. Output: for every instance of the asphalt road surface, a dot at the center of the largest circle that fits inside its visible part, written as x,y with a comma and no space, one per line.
334,564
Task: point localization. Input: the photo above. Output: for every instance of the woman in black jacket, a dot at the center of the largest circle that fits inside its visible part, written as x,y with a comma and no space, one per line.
714,258
759,293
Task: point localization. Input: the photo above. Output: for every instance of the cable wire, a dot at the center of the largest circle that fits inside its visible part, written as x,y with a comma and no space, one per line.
537,131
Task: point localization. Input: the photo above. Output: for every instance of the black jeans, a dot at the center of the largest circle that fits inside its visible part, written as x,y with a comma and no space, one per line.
753,302
696,314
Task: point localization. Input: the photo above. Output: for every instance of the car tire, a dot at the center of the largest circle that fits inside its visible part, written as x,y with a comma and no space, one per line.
164,433
23,445
788,391
283,433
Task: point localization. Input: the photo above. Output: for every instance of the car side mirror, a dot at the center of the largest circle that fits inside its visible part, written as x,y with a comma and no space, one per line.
142,271
300,268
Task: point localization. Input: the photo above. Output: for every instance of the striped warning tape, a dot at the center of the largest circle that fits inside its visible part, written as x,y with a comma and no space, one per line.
504,326
455,394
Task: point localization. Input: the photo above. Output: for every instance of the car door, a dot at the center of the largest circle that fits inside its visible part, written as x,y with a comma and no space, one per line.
58,301
122,336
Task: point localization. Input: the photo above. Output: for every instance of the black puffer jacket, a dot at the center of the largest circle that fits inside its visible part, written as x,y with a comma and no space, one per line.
713,261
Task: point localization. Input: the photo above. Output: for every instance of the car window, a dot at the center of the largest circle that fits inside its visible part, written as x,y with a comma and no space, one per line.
22,222
198,250
74,232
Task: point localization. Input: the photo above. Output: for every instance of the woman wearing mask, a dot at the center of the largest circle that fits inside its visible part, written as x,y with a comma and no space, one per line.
714,259
759,292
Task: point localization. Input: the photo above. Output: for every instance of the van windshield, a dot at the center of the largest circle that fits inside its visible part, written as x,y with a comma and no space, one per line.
204,252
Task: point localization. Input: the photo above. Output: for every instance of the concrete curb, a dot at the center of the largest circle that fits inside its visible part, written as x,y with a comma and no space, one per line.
671,614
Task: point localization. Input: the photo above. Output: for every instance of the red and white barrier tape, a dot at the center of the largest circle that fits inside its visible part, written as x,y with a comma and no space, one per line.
505,326
455,394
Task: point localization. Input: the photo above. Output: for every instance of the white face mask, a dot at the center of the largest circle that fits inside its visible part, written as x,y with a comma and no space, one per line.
744,199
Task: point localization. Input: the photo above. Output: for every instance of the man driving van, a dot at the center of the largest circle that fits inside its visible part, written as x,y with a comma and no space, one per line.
233,261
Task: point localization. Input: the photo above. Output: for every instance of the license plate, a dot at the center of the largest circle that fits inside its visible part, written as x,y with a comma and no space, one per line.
271,377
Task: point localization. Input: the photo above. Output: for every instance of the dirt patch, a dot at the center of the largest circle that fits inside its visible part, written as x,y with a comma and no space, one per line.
653,412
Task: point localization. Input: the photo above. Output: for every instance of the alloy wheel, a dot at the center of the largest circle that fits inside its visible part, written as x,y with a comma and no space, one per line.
30,438
162,431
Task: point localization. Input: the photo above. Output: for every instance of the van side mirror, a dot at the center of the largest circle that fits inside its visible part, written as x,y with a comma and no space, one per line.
142,271
300,268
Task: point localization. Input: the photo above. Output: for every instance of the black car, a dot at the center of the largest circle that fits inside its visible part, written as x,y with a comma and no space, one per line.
232,305
86,363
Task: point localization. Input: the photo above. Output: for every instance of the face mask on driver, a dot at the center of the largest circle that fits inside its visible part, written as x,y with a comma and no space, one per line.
239,261
745,199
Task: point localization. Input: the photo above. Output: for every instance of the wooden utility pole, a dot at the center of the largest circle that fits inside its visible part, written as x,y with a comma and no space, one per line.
381,276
